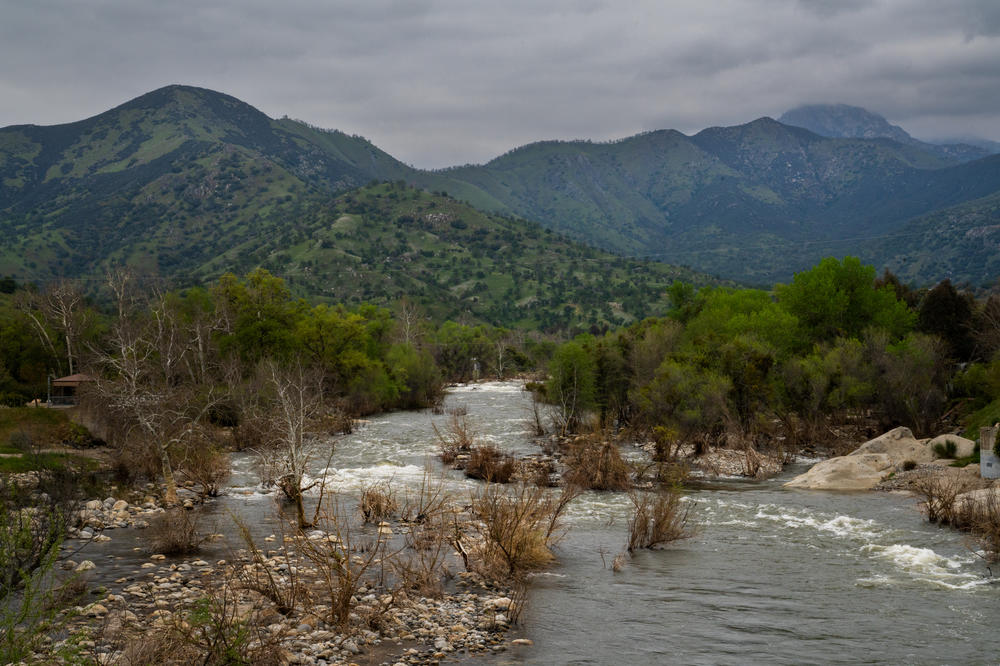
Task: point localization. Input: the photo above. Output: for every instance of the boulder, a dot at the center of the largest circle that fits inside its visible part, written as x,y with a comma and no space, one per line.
899,444
978,500
963,447
858,471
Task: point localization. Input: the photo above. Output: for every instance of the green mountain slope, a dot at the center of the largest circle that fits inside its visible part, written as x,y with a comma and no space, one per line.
388,241
959,242
171,179
187,184
753,202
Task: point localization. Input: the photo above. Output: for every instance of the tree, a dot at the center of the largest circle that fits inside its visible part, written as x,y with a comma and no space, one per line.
293,411
947,313
571,384
839,298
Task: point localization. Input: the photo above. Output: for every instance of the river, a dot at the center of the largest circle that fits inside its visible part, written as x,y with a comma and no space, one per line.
772,576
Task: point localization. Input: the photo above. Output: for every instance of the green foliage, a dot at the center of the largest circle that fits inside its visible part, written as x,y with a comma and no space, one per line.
838,298
945,449
571,385
30,537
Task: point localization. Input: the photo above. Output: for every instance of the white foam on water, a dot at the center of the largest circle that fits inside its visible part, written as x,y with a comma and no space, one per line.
926,565
487,387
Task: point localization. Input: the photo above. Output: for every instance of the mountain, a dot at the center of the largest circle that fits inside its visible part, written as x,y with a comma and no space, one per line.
186,183
842,121
960,242
753,202
170,180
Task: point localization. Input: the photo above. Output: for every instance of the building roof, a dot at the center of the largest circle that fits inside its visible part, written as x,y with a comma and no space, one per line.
72,380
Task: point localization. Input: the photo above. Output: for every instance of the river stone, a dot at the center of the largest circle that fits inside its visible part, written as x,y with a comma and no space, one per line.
900,445
963,447
978,499
120,505
86,565
853,472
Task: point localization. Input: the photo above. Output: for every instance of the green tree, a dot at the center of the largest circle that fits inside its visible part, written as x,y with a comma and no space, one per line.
839,298
571,385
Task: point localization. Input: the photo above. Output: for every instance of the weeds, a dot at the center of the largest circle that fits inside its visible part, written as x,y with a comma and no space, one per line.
175,532
659,518
597,465
377,502
490,464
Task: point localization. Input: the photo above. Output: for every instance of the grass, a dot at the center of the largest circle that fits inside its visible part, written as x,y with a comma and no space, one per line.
44,461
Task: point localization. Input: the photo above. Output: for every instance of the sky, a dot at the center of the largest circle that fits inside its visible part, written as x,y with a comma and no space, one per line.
445,82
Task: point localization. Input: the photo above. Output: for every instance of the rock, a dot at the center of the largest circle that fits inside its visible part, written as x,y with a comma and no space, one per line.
977,500
158,557
351,647
522,641
120,505
502,603
86,565
900,445
95,610
94,505
963,447
853,472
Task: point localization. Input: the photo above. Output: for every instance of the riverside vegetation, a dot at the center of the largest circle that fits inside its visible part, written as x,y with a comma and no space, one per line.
180,379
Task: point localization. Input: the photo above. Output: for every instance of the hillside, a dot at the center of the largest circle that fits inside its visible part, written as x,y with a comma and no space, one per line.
960,242
383,242
753,202
169,180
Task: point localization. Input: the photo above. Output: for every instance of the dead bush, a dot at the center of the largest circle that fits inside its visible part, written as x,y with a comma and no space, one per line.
204,464
423,565
175,532
429,501
255,572
343,561
597,465
518,528
981,516
939,492
659,518
457,437
488,463
377,502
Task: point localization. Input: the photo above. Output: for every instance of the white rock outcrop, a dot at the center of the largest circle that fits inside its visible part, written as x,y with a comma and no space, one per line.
857,471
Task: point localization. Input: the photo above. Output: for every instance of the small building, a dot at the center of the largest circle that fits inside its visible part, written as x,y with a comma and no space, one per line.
63,391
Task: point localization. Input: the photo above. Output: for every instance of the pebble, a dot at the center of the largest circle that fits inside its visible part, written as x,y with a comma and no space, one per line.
86,565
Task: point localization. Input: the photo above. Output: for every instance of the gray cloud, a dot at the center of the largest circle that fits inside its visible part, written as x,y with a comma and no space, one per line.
439,82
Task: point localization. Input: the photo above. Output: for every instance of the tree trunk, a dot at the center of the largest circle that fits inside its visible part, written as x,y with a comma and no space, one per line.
170,496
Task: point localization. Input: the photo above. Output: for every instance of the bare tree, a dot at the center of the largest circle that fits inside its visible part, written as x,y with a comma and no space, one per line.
60,307
139,386
294,411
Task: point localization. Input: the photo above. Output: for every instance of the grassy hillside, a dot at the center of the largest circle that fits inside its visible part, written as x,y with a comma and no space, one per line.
171,179
387,241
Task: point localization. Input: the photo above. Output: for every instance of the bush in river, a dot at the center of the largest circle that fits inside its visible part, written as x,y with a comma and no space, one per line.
490,464
597,465
658,519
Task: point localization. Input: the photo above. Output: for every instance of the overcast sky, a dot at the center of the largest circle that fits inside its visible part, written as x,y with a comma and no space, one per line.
443,82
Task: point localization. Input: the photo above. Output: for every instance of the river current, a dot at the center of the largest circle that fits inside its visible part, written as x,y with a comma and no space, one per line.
773,575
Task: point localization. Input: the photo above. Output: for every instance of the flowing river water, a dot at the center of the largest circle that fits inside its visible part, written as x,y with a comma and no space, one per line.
773,575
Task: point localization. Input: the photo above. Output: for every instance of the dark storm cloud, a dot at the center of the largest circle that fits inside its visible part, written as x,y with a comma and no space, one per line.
438,82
